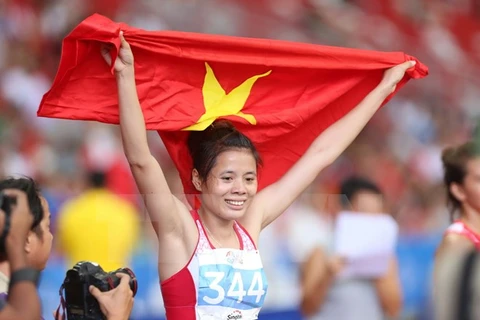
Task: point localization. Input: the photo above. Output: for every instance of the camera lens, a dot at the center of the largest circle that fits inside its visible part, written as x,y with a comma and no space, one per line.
133,279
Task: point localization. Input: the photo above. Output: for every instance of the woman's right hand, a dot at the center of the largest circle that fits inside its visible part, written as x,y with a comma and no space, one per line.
124,60
335,265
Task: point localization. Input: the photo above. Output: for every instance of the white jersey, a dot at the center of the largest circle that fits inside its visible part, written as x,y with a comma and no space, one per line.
223,284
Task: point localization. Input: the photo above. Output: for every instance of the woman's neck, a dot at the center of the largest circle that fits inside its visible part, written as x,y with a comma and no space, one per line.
471,218
221,229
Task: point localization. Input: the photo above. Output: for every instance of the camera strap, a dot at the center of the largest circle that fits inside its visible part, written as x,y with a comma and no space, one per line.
62,305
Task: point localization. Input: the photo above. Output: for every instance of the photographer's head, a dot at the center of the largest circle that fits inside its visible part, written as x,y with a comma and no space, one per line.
39,240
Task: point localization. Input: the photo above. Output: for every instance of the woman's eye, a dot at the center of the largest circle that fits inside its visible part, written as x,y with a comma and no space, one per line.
227,178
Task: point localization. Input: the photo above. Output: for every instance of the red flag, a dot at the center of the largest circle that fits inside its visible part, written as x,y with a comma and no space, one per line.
280,94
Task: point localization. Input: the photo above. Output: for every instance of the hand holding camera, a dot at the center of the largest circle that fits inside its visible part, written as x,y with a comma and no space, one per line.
117,303
92,293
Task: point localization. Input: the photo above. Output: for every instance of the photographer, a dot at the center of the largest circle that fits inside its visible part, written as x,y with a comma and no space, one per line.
38,241
34,244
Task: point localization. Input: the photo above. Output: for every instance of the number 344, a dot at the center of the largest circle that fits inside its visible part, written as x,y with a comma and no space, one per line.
236,288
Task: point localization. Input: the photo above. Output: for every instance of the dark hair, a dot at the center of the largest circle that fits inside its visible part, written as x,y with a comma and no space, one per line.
29,186
97,179
455,161
221,136
351,186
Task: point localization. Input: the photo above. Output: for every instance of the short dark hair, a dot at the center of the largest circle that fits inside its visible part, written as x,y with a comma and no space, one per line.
29,186
221,136
455,161
97,179
351,186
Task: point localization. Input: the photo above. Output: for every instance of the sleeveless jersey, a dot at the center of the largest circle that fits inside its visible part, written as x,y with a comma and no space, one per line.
458,227
224,284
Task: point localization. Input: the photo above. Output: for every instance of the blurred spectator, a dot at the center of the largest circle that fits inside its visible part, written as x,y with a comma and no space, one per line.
462,175
98,226
462,171
324,295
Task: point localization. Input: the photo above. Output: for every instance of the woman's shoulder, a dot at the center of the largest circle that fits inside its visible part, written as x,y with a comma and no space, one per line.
453,240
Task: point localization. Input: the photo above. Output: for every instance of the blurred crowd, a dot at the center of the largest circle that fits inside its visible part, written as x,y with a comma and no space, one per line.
400,149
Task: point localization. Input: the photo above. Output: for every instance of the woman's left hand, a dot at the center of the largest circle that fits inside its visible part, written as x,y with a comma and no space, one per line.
392,76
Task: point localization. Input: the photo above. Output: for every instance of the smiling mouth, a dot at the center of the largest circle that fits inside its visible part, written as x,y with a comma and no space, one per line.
235,203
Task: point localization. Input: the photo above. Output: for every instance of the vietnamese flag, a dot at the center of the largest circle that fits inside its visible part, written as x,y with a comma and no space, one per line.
280,94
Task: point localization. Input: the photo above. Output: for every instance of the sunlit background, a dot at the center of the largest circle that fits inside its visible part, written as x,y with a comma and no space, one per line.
400,148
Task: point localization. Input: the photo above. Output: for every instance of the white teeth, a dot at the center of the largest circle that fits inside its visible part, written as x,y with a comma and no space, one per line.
235,203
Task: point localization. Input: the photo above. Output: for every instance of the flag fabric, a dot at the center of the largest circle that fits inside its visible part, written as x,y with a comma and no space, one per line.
280,94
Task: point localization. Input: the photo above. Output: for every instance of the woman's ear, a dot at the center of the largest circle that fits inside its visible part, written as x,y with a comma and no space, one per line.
197,182
29,242
457,192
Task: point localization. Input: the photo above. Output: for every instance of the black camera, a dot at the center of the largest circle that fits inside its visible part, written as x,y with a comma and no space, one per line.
6,203
79,302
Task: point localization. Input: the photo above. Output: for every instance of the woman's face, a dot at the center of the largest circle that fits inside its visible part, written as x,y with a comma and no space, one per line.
368,202
231,184
469,191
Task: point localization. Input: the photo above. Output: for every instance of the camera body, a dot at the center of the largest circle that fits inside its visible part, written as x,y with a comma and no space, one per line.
79,303
6,204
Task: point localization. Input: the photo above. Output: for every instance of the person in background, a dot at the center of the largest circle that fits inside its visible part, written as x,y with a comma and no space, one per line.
98,226
326,297
462,182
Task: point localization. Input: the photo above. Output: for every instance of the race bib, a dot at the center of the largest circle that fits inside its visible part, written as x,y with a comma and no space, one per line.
228,286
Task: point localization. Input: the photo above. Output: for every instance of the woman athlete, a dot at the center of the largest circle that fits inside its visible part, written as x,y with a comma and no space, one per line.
208,264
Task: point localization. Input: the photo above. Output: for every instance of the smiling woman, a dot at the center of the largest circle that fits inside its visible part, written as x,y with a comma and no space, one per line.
225,171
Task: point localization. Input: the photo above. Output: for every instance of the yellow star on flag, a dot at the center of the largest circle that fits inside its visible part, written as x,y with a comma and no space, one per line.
219,104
